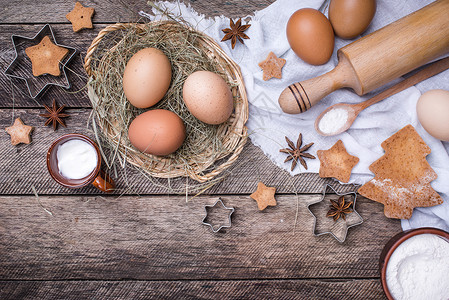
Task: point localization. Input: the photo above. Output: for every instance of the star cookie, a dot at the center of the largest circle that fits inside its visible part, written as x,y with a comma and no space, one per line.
19,132
402,176
272,66
264,196
80,17
45,57
336,162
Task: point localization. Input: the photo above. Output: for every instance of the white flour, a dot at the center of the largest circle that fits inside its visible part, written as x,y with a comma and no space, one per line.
333,120
419,269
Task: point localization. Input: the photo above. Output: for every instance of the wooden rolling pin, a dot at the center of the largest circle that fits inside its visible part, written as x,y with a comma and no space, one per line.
377,58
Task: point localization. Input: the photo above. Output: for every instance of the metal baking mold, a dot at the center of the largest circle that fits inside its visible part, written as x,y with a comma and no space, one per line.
231,209
20,68
338,229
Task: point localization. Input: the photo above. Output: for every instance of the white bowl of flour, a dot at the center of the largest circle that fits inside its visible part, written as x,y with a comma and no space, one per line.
415,265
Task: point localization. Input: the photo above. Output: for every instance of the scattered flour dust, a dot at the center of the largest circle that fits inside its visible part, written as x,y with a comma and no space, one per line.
419,269
398,193
401,194
333,120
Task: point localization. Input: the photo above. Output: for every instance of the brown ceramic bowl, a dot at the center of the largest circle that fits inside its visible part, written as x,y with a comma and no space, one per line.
394,243
52,162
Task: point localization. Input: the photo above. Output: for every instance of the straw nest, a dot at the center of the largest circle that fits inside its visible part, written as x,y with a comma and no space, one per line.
208,149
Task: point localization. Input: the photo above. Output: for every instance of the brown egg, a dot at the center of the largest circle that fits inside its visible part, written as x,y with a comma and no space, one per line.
208,97
157,132
433,111
311,36
147,77
350,18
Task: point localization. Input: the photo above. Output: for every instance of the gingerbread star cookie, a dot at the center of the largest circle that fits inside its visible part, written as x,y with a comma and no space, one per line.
19,132
45,57
264,196
80,17
336,162
272,66
402,176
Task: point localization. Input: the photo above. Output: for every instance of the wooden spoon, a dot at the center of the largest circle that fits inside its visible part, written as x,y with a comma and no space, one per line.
354,109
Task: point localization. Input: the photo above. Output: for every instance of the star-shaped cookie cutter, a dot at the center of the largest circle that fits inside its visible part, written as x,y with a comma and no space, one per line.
231,209
353,219
20,67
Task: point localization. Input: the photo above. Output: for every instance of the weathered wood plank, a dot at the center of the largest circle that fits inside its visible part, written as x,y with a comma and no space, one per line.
24,166
107,11
242,289
162,238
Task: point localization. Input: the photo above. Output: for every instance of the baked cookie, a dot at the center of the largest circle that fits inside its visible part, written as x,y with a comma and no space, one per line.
80,17
336,162
402,176
19,132
272,66
264,196
45,57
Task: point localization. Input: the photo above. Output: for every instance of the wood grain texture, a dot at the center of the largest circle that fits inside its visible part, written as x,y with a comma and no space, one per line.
162,238
399,47
109,11
243,289
16,11
24,166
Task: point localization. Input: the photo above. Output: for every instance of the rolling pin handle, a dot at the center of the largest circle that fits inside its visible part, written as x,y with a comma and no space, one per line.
299,97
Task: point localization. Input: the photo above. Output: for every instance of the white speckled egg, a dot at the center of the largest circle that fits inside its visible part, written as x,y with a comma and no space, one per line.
208,97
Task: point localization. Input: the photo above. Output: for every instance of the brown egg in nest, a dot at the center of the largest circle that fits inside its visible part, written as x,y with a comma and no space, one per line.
157,132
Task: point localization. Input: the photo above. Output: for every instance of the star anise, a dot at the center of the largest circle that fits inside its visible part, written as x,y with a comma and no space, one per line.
54,115
339,209
296,152
235,32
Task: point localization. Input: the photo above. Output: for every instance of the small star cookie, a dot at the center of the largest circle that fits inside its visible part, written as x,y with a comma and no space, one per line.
80,17
19,132
45,57
272,66
264,196
336,162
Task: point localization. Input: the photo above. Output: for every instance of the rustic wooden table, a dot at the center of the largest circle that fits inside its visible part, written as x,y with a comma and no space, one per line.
146,243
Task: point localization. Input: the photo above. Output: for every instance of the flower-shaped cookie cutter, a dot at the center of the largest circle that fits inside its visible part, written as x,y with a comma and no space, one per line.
20,68
338,229
214,229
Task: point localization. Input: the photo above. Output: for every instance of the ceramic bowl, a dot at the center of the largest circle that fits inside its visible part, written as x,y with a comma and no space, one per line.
52,162
394,243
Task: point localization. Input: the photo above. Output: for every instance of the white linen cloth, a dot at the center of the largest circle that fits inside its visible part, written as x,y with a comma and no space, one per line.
268,125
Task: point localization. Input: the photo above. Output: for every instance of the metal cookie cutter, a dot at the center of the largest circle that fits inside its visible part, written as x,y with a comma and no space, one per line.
231,211
338,229
20,67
